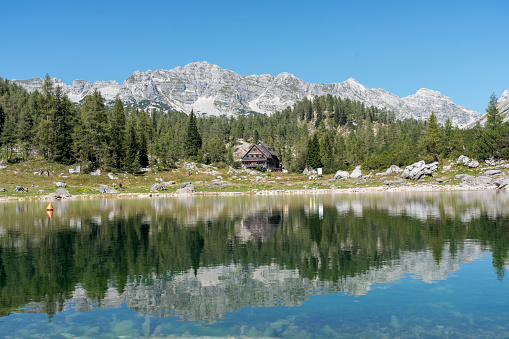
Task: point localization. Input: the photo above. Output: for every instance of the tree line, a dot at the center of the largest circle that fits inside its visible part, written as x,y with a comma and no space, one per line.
325,131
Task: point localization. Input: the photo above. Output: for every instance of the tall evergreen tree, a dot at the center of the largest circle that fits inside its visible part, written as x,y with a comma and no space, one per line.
193,140
117,134
431,139
131,162
313,159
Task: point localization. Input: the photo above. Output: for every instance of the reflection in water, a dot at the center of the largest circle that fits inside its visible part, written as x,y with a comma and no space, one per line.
200,258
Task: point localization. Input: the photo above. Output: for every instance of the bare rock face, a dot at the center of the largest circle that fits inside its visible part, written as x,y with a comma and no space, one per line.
212,90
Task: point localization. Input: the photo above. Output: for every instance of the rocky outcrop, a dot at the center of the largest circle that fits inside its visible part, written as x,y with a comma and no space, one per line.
419,169
210,89
396,182
491,173
61,184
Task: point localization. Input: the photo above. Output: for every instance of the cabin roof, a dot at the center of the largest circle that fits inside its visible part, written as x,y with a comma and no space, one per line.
264,149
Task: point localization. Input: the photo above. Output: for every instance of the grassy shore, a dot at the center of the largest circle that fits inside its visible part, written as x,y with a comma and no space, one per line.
203,177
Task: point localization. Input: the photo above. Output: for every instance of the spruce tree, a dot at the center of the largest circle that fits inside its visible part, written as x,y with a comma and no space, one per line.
313,159
131,159
117,134
193,140
431,138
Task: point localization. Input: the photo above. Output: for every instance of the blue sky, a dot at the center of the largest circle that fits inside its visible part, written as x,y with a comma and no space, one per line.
460,48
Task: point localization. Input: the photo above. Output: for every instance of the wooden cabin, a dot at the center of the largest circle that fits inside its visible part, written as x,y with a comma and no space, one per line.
260,155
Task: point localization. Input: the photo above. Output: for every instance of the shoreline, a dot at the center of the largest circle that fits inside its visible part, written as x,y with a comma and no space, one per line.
424,187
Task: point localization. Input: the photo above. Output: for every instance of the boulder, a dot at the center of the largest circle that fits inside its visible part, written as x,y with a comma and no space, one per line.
356,173
155,187
502,166
501,183
185,184
61,184
476,181
419,169
342,175
106,189
96,172
463,159
3,189
168,183
188,189
391,170
396,182
60,193
473,164
492,172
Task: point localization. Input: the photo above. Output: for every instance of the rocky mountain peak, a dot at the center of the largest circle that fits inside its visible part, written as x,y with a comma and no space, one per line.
212,90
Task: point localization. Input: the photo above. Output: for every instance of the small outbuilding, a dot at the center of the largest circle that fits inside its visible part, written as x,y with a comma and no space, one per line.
260,155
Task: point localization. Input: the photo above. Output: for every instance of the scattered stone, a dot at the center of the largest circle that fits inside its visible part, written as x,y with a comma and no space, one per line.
185,184
391,170
3,190
473,164
168,183
502,166
332,180
476,181
463,176
439,181
199,182
221,184
96,172
61,184
383,178
111,176
463,159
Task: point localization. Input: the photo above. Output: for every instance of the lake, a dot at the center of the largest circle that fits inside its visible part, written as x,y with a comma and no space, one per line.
409,265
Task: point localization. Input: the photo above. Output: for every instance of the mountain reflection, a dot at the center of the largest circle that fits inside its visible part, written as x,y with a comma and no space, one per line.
200,258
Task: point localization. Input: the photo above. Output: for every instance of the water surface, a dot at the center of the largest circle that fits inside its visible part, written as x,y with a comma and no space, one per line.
302,266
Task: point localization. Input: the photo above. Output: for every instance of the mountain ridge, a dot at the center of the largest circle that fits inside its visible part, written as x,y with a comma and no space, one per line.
209,89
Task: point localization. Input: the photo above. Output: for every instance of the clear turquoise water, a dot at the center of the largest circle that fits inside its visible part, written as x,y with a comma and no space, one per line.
324,266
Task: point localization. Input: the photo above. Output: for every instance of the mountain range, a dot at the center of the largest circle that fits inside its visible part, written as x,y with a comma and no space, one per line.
211,90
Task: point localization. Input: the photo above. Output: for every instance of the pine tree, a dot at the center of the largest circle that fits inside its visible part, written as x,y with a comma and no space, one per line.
313,159
60,125
193,140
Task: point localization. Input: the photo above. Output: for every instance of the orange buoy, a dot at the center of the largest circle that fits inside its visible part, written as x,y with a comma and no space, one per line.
50,207
50,213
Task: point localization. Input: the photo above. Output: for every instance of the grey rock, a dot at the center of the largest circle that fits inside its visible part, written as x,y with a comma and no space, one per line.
332,180
185,184
391,170
492,172
3,190
356,173
396,182
106,189
112,177
463,176
96,172
476,181
168,183
502,183
505,166
419,169
188,189
61,184
60,193
439,181
473,164
221,184
155,187
341,175
463,159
